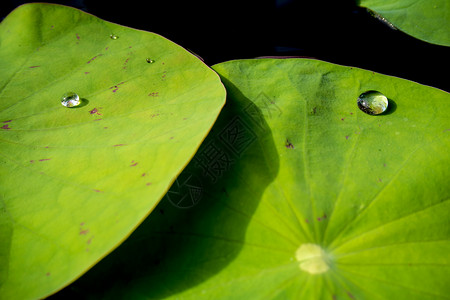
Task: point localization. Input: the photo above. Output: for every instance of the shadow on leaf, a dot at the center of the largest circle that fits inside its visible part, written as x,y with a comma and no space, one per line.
199,227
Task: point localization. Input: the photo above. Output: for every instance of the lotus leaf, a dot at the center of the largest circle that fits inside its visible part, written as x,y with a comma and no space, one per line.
428,20
75,182
298,194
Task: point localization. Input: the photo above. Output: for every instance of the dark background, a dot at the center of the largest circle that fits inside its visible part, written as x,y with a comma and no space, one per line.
335,31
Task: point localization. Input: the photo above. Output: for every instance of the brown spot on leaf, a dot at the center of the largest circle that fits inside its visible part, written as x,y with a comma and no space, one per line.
154,94
7,121
148,184
116,87
95,111
32,67
119,145
44,159
289,144
6,126
92,59
47,274
125,63
97,191
84,231
133,164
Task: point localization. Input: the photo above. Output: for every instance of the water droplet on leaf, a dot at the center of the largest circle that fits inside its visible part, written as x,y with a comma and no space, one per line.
150,61
372,102
113,37
70,99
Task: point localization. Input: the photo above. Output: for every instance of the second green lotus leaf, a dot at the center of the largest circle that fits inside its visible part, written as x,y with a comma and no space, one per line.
298,194
428,20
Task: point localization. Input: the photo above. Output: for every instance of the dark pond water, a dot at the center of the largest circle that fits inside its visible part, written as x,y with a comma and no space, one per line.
335,31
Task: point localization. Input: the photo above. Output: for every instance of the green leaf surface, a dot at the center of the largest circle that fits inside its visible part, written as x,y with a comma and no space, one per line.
428,20
77,181
298,194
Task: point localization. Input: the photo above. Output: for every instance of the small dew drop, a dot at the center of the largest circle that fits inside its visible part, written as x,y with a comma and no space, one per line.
372,102
113,37
150,61
70,99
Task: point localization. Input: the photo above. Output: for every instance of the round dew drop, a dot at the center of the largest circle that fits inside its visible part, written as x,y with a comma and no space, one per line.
150,61
113,37
70,99
372,102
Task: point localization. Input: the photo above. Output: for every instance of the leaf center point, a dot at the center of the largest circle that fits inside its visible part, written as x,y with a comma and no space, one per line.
313,259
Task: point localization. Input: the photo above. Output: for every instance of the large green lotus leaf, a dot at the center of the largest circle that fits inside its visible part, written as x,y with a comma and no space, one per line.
428,20
76,181
298,194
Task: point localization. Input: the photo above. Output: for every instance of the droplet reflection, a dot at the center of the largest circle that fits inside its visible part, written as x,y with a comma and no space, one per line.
372,102
70,99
